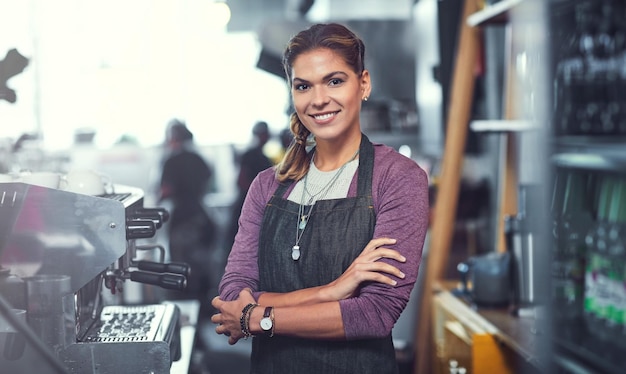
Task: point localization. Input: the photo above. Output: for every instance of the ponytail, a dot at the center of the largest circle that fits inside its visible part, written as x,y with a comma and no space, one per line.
295,163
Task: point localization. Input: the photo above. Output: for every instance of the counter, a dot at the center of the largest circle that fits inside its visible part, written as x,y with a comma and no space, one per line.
189,319
484,340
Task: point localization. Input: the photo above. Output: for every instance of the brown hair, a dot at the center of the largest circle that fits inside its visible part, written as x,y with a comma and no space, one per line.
339,39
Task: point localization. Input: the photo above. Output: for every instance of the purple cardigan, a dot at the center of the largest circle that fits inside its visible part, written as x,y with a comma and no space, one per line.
400,195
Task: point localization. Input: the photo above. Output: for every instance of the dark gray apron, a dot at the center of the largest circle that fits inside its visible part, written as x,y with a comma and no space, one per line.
335,235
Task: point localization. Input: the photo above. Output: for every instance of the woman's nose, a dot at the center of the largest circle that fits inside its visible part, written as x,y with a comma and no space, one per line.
320,97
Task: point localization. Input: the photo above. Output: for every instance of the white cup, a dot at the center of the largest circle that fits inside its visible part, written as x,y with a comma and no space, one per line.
42,178
87,182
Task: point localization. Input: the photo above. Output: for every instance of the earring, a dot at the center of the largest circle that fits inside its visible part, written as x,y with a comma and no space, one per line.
365,98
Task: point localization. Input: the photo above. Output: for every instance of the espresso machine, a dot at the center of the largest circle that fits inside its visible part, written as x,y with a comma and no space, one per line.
64,260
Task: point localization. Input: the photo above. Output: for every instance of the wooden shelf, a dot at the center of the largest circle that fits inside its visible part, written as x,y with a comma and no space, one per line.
469,335
591,161
601,153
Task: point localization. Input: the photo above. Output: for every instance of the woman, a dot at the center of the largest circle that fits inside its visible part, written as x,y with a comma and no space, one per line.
330,241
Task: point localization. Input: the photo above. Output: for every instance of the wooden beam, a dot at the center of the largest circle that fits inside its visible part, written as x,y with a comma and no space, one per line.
509,176
444,216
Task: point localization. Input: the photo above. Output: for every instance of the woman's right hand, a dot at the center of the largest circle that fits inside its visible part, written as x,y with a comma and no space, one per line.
366,268
228,319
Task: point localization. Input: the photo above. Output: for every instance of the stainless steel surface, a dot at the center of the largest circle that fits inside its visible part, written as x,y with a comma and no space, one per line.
189,310
64,258
116,345
54,232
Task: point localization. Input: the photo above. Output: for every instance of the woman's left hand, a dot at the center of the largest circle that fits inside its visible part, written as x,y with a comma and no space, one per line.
367,268
228,319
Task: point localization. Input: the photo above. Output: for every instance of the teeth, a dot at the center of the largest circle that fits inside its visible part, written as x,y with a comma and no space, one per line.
324,116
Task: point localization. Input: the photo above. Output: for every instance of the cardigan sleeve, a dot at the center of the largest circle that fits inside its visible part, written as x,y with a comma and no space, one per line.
400,194
242,269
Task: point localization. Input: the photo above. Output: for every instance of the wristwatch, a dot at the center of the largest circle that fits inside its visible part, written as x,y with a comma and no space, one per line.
267,322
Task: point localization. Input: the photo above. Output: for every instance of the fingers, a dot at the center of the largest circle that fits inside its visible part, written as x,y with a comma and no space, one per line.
386,253
379,242
375,246
382,269
368,271
216,302
381,278
221,329
381,252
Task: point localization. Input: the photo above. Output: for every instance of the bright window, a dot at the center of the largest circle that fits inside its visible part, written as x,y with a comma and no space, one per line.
126,67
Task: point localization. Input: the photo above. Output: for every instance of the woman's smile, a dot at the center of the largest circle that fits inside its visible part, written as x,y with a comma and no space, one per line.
323,118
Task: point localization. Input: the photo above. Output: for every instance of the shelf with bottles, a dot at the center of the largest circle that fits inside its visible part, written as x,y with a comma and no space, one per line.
588,284
589,85
586,353
592,159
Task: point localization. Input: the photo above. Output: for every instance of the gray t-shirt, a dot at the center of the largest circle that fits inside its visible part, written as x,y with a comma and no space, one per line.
322,185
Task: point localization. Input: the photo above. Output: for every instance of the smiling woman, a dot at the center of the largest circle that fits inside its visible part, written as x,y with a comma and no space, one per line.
329,241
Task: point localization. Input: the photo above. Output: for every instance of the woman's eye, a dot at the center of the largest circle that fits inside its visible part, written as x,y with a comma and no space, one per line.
335,81
301,87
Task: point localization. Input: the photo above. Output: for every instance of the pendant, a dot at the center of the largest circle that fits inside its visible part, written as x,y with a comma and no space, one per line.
295,252
303,222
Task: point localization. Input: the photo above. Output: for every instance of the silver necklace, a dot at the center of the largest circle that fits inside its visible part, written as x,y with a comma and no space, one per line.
303,216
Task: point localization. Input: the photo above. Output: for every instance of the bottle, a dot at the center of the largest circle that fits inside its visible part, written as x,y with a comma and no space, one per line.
572,76
568,257
589,76
597,294
616,239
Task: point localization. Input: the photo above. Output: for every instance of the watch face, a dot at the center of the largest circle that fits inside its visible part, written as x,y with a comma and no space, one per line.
266,324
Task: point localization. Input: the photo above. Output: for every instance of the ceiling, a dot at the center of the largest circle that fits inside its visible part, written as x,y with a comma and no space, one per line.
249,15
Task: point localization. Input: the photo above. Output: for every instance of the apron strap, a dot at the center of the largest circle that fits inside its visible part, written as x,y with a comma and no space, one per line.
365,171
366,167
280,191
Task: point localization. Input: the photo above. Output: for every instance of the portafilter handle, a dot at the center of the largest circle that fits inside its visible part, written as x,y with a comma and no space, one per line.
139,229
162,212
164,280
145,214
159,267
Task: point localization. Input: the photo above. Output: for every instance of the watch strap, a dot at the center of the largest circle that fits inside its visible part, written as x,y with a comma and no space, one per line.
269,313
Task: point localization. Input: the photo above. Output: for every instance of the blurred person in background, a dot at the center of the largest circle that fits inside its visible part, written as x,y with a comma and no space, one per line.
251,162
285,138
185,180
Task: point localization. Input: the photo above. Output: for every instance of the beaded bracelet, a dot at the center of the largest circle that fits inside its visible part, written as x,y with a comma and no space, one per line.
244,320
248,315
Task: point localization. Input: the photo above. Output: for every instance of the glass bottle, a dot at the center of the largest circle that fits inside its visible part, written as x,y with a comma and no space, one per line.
568,257
616,237
597,294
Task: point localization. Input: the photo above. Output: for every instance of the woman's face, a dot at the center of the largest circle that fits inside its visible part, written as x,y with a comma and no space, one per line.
327,94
